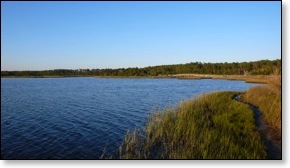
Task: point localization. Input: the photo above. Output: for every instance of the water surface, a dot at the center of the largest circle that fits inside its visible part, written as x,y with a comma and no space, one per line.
77,118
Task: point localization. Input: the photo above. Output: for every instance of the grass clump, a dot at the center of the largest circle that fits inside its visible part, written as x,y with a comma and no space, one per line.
268,99
212,126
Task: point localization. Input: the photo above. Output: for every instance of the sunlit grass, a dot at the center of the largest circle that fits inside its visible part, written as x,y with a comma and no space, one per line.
268,100
247,78
212,126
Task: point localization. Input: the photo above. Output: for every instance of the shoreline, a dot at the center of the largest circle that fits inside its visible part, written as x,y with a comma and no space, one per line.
263,79
170,133
247,78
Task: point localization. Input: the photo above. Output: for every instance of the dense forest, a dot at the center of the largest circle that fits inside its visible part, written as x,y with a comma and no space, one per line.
262,67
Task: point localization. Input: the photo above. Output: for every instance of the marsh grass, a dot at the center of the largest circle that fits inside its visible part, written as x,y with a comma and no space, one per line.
268,99
248,78
212,126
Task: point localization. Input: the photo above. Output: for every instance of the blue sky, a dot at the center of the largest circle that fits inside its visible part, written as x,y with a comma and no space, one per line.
72,35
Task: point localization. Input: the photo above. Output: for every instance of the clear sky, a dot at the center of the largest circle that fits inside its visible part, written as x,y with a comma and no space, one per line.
72,35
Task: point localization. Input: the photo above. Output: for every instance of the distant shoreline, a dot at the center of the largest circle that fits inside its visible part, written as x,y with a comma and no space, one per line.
247,78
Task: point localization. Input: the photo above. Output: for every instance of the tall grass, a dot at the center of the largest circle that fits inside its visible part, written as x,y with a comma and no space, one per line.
247,78
212,126
268,99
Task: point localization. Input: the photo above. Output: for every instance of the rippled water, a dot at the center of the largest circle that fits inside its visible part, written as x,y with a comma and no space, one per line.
76,118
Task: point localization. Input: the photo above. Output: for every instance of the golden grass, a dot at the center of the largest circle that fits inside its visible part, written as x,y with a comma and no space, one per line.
247,78
268,99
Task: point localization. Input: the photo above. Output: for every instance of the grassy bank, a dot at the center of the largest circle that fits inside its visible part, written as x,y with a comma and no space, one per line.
212,126
247,78
268,100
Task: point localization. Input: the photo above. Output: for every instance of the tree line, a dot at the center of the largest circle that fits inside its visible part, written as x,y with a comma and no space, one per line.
262,67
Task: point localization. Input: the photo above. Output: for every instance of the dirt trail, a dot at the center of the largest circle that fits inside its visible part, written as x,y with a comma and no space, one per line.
274,149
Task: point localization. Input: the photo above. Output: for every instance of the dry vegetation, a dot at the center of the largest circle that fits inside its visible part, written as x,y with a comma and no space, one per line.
247,78
268,99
